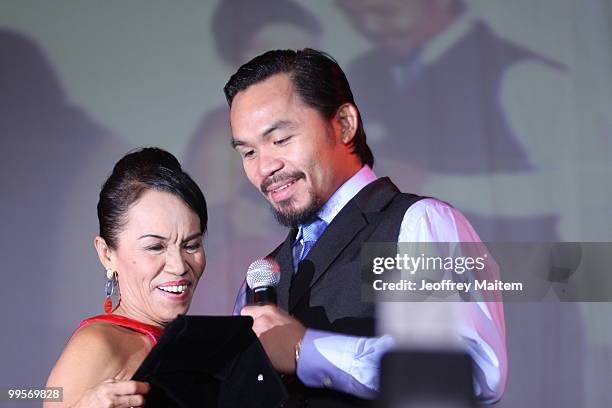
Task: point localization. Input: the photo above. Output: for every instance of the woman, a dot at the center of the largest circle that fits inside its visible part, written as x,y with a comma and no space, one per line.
152,218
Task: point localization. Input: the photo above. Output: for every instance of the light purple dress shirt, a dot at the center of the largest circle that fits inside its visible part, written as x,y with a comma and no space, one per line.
350,364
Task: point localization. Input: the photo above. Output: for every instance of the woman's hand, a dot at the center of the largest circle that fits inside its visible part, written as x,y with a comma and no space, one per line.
114,394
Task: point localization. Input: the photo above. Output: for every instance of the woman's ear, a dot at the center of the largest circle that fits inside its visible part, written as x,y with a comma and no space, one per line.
347,120
104,253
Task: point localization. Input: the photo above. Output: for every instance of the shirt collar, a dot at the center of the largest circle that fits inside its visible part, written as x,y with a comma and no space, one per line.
441,42
343,195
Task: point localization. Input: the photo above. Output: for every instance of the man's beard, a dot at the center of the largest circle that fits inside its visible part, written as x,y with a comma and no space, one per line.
293,218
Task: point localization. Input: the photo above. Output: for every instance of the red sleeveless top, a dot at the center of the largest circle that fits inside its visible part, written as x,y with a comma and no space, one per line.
152,332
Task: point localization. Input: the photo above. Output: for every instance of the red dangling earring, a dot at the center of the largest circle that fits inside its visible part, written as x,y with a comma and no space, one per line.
108,305
112,289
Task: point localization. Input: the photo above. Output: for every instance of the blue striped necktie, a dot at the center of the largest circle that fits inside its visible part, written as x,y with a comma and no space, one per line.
307,237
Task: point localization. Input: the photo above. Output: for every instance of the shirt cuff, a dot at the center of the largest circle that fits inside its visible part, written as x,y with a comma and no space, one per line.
315,370
344,363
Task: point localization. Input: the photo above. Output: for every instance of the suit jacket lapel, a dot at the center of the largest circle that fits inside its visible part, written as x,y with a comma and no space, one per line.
284,257
349,222
336,237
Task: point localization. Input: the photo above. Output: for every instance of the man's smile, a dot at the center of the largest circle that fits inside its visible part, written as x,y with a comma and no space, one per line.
282,191
281,187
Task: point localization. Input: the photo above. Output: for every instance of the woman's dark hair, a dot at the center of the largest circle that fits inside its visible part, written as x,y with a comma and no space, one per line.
144,169
316,77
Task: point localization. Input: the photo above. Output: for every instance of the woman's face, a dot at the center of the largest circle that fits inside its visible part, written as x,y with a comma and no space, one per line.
159,258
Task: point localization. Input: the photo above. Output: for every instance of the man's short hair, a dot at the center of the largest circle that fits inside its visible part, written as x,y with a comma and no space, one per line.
316,77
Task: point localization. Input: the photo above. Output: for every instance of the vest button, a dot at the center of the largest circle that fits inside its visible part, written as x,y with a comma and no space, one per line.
302,402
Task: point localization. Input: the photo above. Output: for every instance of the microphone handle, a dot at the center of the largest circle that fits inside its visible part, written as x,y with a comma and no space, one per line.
264,295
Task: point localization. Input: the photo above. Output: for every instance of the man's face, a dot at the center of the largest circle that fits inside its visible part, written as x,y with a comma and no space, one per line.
289,151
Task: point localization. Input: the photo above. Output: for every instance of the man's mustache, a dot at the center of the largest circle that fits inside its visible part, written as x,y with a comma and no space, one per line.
280,178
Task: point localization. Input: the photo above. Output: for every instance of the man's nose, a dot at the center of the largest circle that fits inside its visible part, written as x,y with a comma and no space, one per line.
269,164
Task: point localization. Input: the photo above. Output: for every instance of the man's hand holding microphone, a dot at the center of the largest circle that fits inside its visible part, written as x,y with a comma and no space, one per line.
279,333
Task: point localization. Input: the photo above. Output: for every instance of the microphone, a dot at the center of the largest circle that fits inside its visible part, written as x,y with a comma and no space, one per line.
262,278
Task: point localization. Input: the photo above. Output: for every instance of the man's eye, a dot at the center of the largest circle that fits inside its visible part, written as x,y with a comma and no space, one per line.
248,153
282,141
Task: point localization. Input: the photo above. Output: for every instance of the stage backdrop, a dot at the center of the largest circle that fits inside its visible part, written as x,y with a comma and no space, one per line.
503,108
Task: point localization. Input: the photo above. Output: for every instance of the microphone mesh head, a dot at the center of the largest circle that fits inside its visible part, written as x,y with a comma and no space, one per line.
263,272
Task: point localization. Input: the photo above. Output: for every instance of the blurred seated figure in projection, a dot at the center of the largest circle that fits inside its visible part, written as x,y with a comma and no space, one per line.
243,227
455,110
51,150
152,219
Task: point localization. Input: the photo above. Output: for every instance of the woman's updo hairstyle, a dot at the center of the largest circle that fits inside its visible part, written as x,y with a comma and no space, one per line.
148,168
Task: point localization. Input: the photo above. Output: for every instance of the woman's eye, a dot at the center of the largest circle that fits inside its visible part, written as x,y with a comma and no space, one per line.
156,247
193,247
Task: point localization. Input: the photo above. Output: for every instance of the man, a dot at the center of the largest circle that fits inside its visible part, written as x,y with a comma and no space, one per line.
241,229
299,133
440,74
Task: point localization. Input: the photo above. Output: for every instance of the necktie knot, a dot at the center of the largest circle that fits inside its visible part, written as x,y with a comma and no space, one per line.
308,235
312,231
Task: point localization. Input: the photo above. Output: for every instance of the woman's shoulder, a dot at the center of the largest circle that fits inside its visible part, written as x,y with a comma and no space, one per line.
108,342
90,357
99,345
96,352
101,338
100,350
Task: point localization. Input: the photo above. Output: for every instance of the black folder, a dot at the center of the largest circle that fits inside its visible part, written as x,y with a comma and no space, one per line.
210,361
